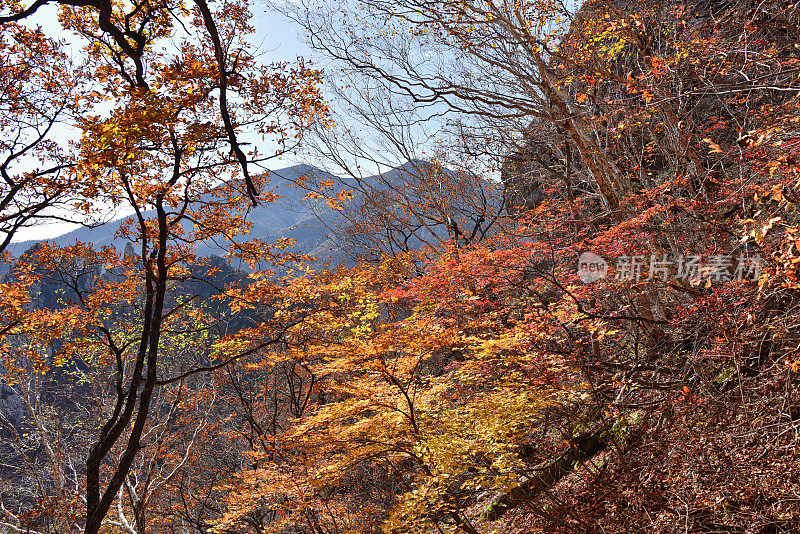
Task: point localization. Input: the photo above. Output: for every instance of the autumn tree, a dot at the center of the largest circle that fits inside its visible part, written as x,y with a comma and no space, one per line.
173,88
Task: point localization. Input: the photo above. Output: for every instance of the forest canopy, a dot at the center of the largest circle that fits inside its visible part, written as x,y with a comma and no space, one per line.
562,297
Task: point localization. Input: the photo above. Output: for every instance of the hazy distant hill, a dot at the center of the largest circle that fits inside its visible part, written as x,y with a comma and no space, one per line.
291,216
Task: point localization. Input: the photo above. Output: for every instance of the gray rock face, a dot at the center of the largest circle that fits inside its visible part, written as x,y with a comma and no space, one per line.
11,407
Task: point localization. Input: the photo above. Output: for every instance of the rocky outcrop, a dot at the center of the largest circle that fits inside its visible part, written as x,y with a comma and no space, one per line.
11,407
650,142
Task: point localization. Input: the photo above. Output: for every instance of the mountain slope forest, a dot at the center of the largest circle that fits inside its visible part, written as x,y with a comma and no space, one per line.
576,309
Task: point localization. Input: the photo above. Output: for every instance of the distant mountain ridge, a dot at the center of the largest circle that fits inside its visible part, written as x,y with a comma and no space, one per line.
291,216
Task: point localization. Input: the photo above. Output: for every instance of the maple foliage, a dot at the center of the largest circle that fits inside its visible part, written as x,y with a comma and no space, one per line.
408,397
160,101
488,387
465,377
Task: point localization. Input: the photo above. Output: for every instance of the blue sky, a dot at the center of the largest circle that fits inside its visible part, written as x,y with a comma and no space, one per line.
278,36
